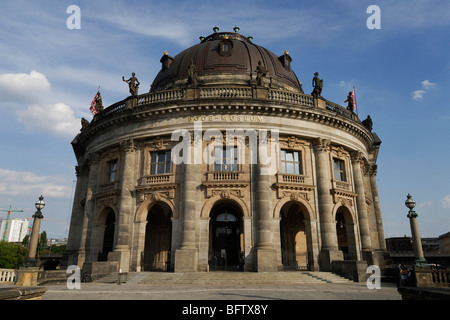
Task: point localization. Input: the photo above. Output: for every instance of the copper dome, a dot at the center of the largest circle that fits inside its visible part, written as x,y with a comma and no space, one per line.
226,59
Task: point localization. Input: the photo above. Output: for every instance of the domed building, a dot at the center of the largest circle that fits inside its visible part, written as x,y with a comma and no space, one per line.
226,164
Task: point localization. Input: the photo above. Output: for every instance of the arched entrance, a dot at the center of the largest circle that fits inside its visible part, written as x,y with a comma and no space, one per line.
226,250
108,235
345,233
158,235
294,244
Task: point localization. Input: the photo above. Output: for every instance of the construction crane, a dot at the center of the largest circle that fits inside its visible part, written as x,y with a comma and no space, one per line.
7,220
31,227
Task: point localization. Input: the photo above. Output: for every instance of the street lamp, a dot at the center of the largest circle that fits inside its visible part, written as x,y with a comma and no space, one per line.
31,260
412,215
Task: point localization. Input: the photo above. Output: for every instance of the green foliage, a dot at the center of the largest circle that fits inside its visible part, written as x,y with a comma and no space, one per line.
12,255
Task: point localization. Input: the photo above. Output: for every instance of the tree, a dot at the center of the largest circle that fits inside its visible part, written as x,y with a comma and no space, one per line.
43,241
12,255
26,240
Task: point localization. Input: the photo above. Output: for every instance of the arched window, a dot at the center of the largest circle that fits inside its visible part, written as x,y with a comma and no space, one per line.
226,217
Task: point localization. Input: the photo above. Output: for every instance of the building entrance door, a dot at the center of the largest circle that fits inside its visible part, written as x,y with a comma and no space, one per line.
226,253
158,238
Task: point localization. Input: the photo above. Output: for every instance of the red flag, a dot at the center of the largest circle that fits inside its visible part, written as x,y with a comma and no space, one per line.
354,99
93,108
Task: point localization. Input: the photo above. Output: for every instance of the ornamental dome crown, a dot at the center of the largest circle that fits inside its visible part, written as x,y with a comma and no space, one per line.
226,58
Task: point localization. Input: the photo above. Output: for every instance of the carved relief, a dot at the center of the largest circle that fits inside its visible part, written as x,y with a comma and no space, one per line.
127,145
322,145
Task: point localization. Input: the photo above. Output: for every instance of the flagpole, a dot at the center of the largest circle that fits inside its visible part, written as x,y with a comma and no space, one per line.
356,105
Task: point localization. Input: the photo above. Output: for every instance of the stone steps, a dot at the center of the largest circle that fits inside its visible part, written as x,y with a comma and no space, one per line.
225,278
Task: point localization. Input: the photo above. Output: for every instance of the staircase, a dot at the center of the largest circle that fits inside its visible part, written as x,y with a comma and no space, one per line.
225,278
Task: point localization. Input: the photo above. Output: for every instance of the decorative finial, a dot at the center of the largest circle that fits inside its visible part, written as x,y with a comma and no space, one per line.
236,29
202,38
215,29
166,53
250,38
286,52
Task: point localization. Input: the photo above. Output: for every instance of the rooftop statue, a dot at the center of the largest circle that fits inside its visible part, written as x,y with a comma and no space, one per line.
368,123
318,85
351,102
192,74
261,72
133,83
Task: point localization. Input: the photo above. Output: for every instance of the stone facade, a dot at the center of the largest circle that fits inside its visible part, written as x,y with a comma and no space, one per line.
315,202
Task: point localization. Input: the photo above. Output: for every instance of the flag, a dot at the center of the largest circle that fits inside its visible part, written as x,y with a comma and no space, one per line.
93,107
354,98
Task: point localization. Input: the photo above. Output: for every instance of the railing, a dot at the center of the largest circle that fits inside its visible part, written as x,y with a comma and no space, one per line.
7,276
432,278
290,178
161,96
338,109
221,92
291,97
208,93
294,260
158,178
225,175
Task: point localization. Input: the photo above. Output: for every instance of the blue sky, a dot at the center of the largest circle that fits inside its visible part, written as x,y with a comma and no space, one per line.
49,75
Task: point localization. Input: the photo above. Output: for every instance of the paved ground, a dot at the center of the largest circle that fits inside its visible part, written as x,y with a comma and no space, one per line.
130,291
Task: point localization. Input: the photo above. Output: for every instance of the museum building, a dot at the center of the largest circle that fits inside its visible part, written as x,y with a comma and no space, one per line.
226,164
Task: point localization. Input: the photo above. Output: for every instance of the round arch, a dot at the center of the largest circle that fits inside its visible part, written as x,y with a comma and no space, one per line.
308,210
145,206
213,201
344,216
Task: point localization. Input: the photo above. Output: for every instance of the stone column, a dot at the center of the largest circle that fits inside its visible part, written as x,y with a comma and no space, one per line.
266,256
121,251
329,250
366,245
377,207
186,257
89,206
70,257
418,251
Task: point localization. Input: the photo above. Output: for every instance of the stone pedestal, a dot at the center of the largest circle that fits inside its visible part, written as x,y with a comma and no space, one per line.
326,258
123,257
27,277
186,260
266,260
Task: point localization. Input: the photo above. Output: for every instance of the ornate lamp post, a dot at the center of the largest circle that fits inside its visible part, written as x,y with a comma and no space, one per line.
27,275
417,242
31,260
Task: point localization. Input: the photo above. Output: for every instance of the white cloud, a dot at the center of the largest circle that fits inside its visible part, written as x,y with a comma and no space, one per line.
426,85
445,202
23,87
15,183
58,119
418,94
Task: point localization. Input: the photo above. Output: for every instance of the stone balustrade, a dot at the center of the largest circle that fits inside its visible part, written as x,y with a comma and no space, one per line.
225,175
426,277
7,276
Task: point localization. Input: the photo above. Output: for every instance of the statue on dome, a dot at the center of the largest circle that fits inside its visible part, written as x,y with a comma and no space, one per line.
192,74
133,83
261,72
317,85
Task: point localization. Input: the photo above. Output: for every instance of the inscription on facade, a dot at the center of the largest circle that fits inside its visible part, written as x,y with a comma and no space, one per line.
226,118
